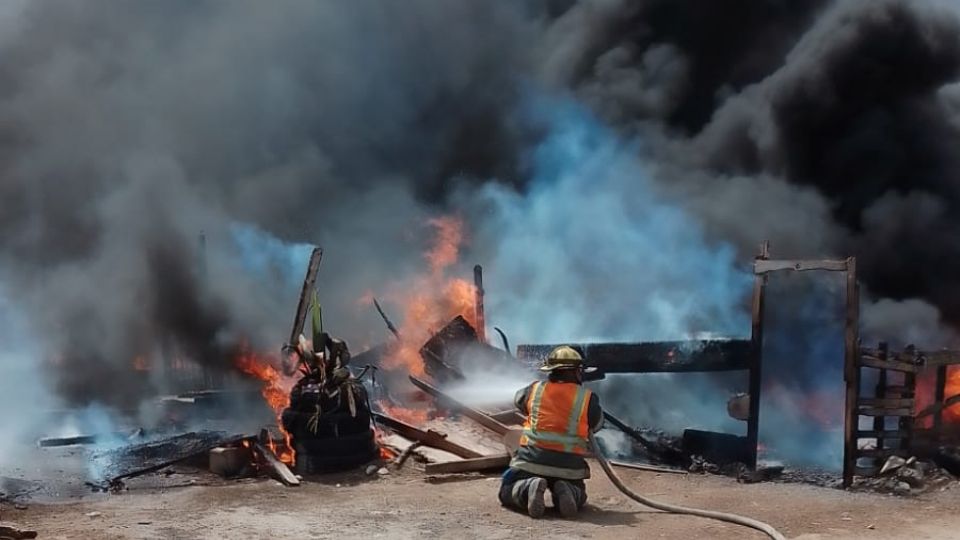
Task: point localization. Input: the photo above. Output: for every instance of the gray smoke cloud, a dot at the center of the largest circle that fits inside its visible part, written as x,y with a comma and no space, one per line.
616,164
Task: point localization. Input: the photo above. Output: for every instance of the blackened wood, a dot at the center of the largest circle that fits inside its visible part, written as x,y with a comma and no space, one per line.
851,372
894,365
941,358
756,357
304,302
478,306
880,434
656,450
386,320
718,448
878,411
139,459
645,467
881,393
886,403
280,470
440,351
762,266
430,438
653,357
455,406
881,452
478,464
938,407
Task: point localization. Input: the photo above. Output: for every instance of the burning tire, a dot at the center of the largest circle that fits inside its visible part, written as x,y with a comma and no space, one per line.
334,441
316,455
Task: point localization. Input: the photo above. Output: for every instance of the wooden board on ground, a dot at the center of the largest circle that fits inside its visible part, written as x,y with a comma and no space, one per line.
455,406
279,469
429,437
486,463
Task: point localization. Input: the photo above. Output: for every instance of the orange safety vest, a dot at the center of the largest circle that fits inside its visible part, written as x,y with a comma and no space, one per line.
557,417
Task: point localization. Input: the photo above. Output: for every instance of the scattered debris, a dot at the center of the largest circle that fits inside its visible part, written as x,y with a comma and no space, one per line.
14,533
893,463
139,459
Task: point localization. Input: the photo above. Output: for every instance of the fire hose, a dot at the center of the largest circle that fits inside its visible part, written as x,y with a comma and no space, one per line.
673,509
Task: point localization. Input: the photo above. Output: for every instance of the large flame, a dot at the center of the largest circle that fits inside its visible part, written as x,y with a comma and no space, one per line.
275,390
432,300
952,414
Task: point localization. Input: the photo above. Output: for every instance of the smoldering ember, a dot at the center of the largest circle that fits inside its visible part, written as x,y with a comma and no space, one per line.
479,269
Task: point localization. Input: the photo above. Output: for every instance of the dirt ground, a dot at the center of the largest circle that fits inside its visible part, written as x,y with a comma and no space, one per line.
406,504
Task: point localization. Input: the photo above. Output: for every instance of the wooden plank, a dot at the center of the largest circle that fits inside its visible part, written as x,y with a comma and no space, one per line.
941,358
885,403
874,411
454,405
880,434
761,266
280,470
654,357
937,407
313,267
881,392
480,317
870,361
881,452
430,438
851,372
485,463
939,391
508,417
644,467
754,383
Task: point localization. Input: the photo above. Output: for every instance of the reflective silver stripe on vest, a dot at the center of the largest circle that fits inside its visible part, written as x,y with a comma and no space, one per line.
535,408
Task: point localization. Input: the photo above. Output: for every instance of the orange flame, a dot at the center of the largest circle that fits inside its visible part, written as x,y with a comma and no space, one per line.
952,388
276,391
432,300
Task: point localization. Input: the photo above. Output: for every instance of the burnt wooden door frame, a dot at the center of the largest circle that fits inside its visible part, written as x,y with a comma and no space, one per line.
762,266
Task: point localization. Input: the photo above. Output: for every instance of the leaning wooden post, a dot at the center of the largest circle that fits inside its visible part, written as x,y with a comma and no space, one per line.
940,391
851,373
756,357
880,422
480,317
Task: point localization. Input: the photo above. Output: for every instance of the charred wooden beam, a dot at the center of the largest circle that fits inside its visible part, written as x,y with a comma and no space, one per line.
313,267
762,266
429,438
480,316
484,463
851,372
455,406
877,411
645,467
719,448
279,469
386,320
894,365
654,357
937,407
663,452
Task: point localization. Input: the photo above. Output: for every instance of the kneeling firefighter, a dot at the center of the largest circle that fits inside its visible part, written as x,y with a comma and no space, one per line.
560,415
